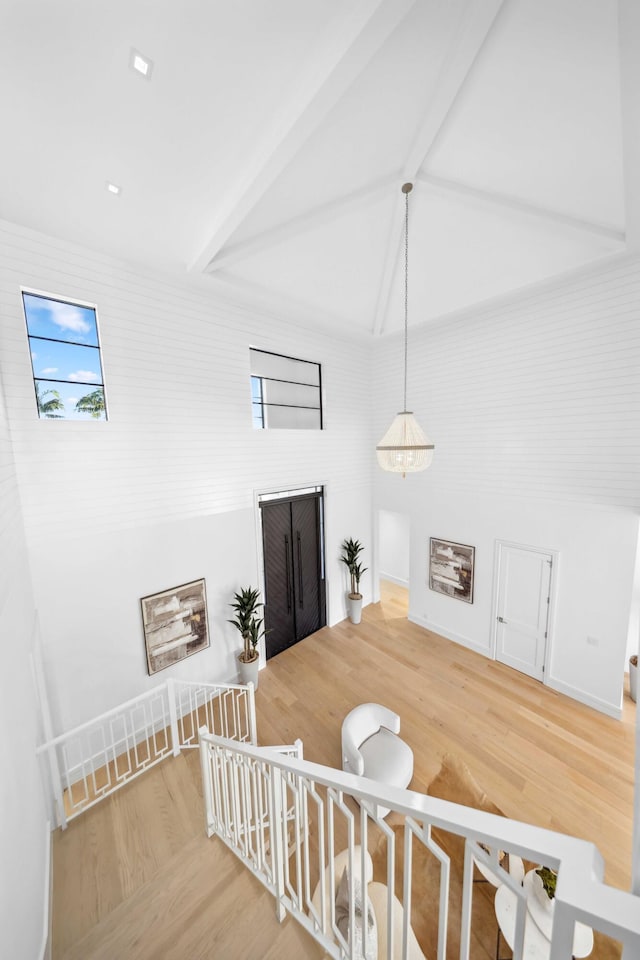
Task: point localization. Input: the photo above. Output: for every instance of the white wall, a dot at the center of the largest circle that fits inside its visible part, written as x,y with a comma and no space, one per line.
633,635
165,490
534,409
394,539
593,595
24,830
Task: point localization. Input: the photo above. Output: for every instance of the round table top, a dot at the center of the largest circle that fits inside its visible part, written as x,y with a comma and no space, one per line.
537,944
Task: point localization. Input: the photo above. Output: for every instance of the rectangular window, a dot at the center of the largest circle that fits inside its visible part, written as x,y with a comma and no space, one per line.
285,393
65,358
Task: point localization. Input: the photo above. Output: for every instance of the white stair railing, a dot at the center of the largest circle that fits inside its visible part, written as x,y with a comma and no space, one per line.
288,819
97,758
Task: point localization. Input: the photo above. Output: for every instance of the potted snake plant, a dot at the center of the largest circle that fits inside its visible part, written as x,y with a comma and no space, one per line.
351,550
246,604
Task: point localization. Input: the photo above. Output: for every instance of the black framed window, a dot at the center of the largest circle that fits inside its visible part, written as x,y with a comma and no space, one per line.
286,393
65,358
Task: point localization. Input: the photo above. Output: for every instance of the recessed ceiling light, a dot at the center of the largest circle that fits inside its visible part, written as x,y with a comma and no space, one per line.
113,188
142,65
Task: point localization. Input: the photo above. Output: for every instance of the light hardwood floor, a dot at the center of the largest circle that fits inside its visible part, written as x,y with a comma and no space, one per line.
135,878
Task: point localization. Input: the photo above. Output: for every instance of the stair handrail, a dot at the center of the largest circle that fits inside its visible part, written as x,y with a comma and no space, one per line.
581,894
153,721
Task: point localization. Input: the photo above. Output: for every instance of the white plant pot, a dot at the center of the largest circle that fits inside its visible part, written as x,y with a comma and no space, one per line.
633,681
249,671
544,902
355,608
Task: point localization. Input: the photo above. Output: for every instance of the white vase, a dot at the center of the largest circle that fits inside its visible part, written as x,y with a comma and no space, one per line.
633,681
249,671
545,902
355,608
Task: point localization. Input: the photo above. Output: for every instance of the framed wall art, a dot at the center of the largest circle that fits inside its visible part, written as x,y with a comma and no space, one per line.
451,567
175,624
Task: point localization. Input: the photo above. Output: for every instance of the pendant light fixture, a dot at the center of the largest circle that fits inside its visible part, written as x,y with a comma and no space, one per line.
404,447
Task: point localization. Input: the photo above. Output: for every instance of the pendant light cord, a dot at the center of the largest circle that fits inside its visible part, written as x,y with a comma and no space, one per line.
406,289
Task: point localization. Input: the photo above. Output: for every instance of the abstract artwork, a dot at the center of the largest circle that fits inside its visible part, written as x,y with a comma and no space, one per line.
451,569
175,624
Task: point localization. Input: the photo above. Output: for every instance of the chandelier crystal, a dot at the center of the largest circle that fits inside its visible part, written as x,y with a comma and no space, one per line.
405,448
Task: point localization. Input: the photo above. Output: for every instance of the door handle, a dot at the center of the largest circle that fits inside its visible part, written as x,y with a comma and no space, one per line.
300,583
501,620
288,572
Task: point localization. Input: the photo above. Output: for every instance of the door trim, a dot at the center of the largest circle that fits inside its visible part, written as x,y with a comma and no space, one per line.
290,493
553,593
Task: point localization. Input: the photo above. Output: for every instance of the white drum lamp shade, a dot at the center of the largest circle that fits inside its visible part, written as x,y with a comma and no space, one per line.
404,447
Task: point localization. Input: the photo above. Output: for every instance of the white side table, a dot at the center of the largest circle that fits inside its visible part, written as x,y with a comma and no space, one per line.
537,928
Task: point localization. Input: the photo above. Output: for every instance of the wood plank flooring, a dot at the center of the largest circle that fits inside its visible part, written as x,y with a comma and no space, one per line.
135,878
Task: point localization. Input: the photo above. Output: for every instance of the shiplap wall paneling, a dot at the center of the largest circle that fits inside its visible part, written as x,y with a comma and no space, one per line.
179,441
533,404
165,491
538,397
23,824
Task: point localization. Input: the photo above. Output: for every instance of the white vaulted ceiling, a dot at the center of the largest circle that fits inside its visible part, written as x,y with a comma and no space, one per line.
266,154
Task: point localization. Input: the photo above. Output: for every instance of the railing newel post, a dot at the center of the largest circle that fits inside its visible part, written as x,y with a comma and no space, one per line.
56,784
253,727
173,716
467,889
278,839
207,784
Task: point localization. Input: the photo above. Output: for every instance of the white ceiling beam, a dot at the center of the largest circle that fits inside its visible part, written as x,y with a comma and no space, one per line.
521,208
629,41
309,220
392,252
477,19
327,76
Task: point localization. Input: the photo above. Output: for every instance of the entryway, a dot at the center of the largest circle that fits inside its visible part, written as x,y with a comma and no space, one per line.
394,600
394,543
294,581
522,629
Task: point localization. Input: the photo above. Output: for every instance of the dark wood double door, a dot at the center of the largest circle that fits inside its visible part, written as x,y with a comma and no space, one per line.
293,570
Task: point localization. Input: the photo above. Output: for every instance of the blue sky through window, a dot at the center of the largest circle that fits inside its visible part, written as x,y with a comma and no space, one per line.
65,357
256,402
60,321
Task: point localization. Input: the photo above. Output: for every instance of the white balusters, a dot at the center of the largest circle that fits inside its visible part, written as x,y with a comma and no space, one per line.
297,859
95,759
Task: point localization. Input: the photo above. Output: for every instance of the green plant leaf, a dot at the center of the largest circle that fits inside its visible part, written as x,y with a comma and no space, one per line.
549,878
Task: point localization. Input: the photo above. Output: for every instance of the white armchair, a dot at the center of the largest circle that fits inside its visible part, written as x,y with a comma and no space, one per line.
372,748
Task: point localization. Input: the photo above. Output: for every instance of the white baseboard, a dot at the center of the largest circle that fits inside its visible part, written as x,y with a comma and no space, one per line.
449,635
595,702
45,949
558,685
398,580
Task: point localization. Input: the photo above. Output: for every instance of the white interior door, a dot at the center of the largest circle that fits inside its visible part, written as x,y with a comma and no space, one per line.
522,611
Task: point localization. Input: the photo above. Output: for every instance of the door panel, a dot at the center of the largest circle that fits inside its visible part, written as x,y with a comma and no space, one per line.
278,575
304,519
523,609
